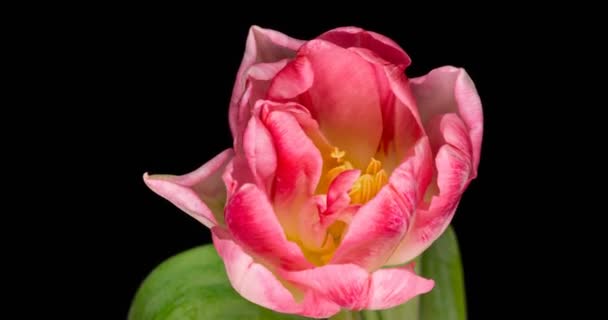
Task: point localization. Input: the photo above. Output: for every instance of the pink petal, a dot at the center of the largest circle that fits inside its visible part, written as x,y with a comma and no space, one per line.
353,288
337,196
260,153
263,45
404,121
342,98
346,285
259,285
292,81
451,90
299,161
257,79
454,171
298,172
200,193
254,225
393,286
381,223
384,47
401,125
303,117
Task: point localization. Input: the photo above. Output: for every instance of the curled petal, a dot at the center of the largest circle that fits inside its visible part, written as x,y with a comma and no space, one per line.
263,46
299,161
454,171
200,193
292,81
257,79
451,90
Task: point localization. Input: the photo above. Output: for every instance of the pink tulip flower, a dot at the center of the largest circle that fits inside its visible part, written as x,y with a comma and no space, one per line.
342,171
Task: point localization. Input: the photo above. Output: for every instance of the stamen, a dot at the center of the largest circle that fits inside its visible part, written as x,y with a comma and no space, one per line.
365,188
338,154
380,180
373,167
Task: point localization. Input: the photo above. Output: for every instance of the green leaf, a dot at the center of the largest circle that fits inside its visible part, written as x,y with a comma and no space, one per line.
193,285
441,262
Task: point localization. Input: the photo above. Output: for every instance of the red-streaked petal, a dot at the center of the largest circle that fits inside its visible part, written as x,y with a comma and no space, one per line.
298,170
259,285
262,46
304,118
199,193
254,225
384,47
381,223
454,171
353,288
299,161
451,90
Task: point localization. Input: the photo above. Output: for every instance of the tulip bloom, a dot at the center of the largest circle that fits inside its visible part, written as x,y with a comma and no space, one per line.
342,171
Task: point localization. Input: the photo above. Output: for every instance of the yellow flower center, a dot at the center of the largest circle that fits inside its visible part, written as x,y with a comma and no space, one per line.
369,183
371,180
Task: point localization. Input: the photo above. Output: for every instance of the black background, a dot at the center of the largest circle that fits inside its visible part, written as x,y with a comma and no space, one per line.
156,93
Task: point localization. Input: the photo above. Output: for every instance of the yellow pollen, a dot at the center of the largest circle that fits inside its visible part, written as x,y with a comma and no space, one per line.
371,180
369,183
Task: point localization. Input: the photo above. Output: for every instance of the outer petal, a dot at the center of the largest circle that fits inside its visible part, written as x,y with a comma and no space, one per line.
380,224
393,286
352,287
257,79
451,90
259,285
254,225
454,171
263,45
200,193
342,98
384,47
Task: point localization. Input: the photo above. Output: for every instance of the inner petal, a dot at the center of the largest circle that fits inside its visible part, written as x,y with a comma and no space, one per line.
339,89
371,180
